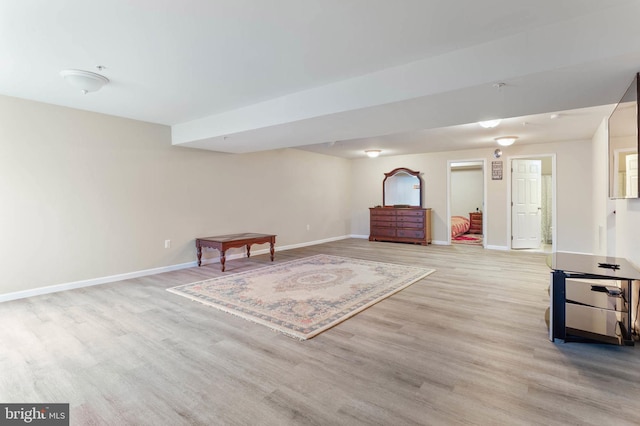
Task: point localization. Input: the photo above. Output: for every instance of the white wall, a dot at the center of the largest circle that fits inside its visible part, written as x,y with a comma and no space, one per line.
87,195
615,222
574,218
602,207
466,191
619,232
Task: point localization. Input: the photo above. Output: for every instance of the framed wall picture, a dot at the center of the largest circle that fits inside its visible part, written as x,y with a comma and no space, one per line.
496,170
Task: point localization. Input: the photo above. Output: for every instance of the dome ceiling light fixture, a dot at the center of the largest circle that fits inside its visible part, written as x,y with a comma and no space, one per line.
373,153
506,140
86,81
489,124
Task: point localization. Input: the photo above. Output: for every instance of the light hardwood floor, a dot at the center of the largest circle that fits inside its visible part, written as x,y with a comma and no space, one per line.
466,345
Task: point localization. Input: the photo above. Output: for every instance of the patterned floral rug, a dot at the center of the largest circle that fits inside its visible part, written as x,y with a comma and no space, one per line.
304,297
469,239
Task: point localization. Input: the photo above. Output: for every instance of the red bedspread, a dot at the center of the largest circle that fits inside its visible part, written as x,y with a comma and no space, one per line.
459,225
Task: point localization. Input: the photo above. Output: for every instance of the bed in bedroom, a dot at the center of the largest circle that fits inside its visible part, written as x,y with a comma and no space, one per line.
459,225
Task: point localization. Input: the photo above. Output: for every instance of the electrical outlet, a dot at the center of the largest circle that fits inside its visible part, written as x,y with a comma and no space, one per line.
308,227
167,243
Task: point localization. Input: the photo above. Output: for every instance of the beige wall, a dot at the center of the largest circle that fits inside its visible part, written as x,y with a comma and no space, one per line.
467,187
573,180
86,195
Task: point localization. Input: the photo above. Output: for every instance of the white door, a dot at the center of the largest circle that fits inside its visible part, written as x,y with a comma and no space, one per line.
632,175
526,215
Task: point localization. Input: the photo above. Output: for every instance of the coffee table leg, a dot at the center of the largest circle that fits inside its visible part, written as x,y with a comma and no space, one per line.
199,255
222,258
248,250
272,250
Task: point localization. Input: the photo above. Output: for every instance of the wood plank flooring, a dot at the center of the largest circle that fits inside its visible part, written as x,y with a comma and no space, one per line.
466,345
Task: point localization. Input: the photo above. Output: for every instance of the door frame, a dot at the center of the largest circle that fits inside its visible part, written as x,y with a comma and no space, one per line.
553,196
484,196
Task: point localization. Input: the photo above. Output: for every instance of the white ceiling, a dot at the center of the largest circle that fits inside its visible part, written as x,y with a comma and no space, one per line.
332,76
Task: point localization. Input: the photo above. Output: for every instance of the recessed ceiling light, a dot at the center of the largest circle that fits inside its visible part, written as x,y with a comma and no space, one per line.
506,140
373,153
489,124
554,116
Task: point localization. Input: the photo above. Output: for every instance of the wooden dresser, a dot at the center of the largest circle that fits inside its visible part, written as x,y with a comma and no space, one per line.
405,225
475,223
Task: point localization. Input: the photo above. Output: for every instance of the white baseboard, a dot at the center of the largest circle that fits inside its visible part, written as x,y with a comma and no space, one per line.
310,243
136,274
504,248
362,237
91,282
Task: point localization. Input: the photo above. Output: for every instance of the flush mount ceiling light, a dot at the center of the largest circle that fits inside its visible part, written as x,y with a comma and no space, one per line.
86,81
506,140
489,124
373,153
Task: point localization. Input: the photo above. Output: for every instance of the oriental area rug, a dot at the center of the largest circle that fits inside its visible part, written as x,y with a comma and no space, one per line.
304,297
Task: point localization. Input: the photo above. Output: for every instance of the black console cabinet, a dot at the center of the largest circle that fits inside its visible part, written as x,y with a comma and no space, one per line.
591,298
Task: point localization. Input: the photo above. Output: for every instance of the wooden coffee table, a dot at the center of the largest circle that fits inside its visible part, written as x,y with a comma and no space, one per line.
225,242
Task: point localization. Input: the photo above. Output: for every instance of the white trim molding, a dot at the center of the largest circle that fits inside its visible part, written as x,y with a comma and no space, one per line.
503,248
136,274
91,282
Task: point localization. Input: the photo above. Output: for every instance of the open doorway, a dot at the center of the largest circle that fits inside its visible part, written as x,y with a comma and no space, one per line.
532,203
466,202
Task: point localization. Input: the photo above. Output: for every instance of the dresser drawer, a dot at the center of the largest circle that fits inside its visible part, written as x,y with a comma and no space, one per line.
383,222
410,219
383,232
411,225
383,212
410,213
410,233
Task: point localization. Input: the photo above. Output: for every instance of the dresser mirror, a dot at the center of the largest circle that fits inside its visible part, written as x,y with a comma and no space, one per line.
402,187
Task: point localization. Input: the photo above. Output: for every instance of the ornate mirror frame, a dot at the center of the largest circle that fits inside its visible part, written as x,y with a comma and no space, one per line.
397,189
